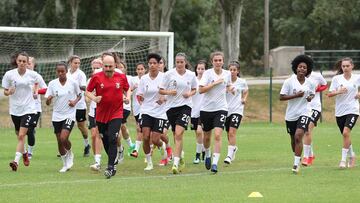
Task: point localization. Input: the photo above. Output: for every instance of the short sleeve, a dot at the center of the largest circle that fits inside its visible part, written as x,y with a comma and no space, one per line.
285,89
92,84
50,90
165,81
6,81
82,79
204,79
194,82
140,90
42,83
76,89
334,84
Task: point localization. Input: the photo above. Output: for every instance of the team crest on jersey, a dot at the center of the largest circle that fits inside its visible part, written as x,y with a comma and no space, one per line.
173,84
101,85
117,85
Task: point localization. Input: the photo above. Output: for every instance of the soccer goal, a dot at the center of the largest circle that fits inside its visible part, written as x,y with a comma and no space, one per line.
50,46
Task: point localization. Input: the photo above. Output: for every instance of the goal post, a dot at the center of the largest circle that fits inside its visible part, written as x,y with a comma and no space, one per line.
50,45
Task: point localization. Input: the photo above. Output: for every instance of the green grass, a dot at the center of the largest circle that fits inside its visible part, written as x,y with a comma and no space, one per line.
263,164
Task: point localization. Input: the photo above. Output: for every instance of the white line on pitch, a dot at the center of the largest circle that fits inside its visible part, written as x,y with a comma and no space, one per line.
148,177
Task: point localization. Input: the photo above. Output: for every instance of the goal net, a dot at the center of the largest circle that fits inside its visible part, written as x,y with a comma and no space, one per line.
49,46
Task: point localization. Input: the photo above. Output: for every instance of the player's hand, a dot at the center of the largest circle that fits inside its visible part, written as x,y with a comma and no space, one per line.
161,100
11,90
135,87
342,90
172,92
48,100
300,94
97,99
357,96
231,90
126,100
35,95
310,97
72,103
243,101
186,94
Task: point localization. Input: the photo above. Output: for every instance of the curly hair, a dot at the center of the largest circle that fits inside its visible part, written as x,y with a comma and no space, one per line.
302,59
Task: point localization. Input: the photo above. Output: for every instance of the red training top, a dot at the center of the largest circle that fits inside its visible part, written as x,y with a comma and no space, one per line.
111,90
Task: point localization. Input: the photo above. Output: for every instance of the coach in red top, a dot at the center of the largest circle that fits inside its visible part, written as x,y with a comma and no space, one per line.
109,87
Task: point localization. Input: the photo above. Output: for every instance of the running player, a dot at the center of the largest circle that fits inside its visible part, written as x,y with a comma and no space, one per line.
315,104
153,115
109,87
31,132
298,91
134,83
236,98
200,68
179,85
17,84
66,93
96,142
213,111
78,75
344,86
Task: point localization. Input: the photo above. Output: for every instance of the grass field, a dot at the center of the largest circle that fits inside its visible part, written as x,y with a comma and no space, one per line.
263,164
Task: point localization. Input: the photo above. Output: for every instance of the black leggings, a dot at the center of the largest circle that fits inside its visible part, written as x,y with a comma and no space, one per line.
31,131
109,133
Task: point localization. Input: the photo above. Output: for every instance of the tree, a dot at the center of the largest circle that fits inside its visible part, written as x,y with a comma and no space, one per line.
230,22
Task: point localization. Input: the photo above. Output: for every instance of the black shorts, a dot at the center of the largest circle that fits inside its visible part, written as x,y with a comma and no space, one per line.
25,121
301,123
137,118
36,119
126,114
211,120
110,128
195,122
66,124
315,116
233,121
179,116
92,122
167,125
155,124
80,115
348,120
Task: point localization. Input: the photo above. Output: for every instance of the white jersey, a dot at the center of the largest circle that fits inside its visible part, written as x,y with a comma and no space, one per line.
317,79
299,106
134,84
62,94
215,98
346,103
127,106
197,102
149,89
22,101
234,100
80,77
92,106
42,84
182,84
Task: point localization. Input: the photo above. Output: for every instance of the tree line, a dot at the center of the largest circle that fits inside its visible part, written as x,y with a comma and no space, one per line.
202,26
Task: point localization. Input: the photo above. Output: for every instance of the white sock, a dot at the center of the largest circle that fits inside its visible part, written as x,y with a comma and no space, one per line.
86,142
18,156
176,161
311,150
128,141
207,152
307,149
297,160
137,145
344,154
148,158
351,151
231,150
30,149
97,158
63,158
164,150
182,154
216,157
199,148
